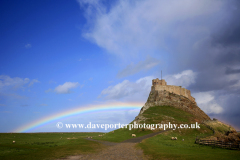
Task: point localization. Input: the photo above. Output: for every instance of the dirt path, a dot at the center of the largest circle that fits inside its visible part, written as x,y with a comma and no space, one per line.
120,151
125,150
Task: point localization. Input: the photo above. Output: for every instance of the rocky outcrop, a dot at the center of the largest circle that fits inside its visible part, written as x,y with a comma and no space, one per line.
165,98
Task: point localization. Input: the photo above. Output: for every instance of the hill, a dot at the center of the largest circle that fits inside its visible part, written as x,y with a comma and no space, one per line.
174,101
168,104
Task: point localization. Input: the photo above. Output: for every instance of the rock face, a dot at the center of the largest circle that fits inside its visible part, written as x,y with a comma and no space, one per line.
165,98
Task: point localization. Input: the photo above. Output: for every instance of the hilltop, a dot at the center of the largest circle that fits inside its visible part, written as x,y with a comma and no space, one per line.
172,96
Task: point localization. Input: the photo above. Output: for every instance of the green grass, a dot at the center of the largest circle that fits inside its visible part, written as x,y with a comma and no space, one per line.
122,134
162,147
219,126
167,113
45,145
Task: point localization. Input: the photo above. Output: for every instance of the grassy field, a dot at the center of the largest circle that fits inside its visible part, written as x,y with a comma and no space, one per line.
45,145
162,147
51,145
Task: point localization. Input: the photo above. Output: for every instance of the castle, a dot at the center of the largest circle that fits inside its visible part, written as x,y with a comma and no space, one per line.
161,85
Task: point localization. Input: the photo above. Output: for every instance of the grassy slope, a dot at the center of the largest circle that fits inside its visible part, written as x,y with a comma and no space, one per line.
167,114
155,115
45,145
162,147
219,127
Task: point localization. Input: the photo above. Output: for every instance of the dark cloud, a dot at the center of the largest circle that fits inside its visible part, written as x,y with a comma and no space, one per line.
229,56
232,71
217,62
228,31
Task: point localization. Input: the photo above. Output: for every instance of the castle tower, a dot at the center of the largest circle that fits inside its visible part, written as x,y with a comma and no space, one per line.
159,82
161,85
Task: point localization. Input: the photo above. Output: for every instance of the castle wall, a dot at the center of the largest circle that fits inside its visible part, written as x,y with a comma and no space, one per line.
175,89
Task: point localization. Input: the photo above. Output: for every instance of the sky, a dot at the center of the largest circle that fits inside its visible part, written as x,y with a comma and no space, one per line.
77,61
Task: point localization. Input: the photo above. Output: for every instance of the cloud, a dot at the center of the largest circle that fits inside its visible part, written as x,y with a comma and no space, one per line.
6,81
206,101
127,27
128,90
32,82
43,104
3,105
65,88
140,89
184,79
28,46
232,71
80,59
15,83
131,69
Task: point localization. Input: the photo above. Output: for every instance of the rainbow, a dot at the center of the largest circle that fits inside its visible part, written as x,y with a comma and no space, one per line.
76,111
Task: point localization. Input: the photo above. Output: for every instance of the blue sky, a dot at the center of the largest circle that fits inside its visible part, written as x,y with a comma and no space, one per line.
61,55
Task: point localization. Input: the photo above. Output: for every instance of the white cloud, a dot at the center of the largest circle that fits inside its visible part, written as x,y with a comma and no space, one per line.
129,90
131,69
184,79
32,82
28,46
128,27
16,82
140,89
43,104
206,101
65,88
